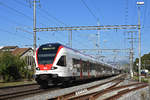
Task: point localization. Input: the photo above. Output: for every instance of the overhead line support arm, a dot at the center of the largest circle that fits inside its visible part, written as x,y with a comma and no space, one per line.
87,28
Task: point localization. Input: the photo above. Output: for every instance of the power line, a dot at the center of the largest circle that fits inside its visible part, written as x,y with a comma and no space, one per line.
46,17
21,36
30,7
98,10
145,11
20,2
11,21
53,17
89,10
97,45
10,41
28,17
57,20
19,12
126,12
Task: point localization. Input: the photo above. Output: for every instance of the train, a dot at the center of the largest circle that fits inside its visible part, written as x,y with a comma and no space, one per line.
59,64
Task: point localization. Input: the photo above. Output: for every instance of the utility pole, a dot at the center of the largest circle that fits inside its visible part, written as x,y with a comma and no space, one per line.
131,63
34,30
131,51
98,39
139,30
34,26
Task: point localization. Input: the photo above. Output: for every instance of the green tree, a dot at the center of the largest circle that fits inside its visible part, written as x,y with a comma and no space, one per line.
145,62
11,67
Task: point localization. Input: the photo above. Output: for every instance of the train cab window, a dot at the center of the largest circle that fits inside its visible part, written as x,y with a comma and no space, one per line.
62,61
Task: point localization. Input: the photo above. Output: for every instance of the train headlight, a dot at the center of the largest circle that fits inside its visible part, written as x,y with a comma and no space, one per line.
37,68
53,68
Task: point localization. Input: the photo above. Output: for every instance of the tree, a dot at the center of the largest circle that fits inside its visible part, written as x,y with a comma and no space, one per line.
145,62
11,67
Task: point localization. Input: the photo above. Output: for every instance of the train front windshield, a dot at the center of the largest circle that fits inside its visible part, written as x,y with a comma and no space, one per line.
46,54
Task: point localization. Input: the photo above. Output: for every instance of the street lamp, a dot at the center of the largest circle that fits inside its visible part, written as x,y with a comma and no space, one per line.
139,31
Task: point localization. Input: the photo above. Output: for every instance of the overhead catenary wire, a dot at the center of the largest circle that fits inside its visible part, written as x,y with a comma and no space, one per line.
19,12
98,22
126,12
21,3
145,12
14,34
47,13
126,20
57,20
28,17
98,10
53,17
91,12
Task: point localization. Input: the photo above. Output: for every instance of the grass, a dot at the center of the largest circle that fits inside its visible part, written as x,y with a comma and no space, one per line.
2,84
143,79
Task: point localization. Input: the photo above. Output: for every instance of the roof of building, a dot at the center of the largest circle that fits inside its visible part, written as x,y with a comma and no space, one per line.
20,51
9,47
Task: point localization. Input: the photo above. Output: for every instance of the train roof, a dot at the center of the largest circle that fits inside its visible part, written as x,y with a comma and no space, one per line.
49,44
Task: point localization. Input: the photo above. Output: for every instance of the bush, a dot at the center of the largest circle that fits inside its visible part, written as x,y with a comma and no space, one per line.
12,68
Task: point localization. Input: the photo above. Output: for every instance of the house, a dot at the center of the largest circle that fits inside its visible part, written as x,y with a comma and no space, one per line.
23,53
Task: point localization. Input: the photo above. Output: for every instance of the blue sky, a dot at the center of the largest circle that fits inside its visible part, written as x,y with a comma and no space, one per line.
18,14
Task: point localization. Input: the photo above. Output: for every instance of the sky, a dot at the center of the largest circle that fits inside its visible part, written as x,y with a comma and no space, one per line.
16,28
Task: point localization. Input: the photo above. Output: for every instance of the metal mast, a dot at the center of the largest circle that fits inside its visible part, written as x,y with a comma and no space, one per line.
34,29
131,51
139,30
98,39
131,66
34,26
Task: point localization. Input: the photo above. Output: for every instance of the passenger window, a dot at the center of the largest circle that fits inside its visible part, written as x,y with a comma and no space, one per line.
62,61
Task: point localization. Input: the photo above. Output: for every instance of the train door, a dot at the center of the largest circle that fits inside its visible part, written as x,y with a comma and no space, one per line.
69,64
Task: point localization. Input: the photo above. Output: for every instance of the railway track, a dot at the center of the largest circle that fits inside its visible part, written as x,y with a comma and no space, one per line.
83,93
22,91
107,89
111,90
15,91
111,93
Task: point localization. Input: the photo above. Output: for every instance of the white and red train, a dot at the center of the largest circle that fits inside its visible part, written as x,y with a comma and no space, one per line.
56,63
